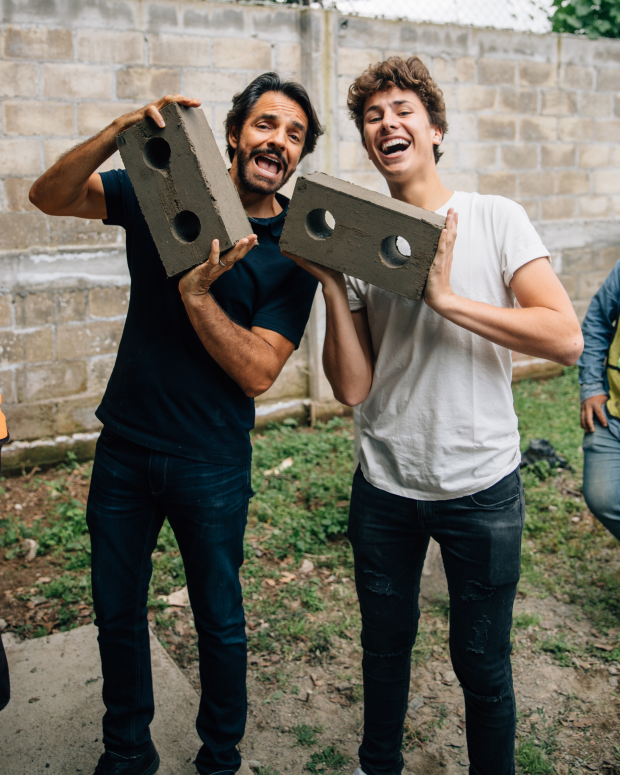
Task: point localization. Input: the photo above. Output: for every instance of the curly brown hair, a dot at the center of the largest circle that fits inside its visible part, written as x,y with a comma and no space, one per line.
396,72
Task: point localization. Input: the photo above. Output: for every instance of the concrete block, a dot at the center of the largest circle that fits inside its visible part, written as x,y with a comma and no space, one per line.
593,206
288,58
531,208
499,183
559,103
30,118
184,50
39,345
607,182
16,194
364,241
6,315
20,157
11,348
21,230
95,116
537,73
66,230
575,129
71,306
535,184
558,207
558,155
95,338
52,380
147,83
353,61
77,414
73,81
212,86
574,77
28,421
608,80
608,257
519,157
99,371
538,128
108,302
477,156
519,100
34,309
594,155
607,131
123,48
37,43
497,71
18,80
576,260
476,97
249,54
588,284
497,128
183,187
573,182
598,105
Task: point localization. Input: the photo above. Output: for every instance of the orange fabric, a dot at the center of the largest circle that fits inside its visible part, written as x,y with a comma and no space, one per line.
3,429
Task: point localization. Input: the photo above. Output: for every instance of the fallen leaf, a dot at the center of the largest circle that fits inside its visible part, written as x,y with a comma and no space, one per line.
286,463
603,646
32,547
180,598
286,577
270,582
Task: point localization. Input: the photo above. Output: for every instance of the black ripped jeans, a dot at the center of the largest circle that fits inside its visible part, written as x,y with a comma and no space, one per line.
480,539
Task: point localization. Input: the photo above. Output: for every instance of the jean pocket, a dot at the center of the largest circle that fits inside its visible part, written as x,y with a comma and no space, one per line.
500,494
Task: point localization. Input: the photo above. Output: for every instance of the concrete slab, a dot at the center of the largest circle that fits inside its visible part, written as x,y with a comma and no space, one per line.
183,187
375,238
52,725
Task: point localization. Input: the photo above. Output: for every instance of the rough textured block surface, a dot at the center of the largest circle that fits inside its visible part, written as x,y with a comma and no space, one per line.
183,187
366,240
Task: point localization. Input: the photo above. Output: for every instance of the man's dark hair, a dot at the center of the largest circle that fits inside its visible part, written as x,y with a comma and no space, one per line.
245,101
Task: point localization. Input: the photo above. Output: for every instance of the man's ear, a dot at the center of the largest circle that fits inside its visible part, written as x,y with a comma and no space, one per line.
437,134
233,137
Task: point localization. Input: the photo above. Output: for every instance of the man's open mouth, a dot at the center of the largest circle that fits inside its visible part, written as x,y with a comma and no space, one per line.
395,147
268,165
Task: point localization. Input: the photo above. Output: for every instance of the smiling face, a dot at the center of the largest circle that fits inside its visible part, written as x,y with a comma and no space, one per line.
398,135
270,144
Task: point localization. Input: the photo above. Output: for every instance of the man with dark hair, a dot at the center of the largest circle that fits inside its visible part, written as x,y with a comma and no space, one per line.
439,444
177,414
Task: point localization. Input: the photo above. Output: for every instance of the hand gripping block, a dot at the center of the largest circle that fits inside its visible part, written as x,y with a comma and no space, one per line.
364,241
183,187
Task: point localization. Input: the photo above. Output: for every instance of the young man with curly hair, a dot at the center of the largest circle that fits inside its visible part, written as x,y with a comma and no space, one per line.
439,447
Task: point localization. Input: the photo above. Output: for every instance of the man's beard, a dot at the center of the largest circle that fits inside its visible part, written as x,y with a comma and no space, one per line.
262,186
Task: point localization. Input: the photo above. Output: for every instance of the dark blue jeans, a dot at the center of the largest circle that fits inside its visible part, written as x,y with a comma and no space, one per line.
480,539
132,490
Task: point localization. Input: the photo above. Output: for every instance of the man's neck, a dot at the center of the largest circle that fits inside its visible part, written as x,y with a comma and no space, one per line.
255,205
422,190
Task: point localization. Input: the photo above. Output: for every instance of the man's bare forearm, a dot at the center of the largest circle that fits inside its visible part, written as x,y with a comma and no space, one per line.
347,366
59,190
245,357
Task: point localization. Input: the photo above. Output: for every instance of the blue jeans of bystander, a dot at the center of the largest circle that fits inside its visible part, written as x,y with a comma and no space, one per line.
601,476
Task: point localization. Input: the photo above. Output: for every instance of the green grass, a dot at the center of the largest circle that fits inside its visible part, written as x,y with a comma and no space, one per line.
329,760
306,735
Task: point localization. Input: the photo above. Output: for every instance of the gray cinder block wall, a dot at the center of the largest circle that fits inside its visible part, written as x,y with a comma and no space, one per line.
535,118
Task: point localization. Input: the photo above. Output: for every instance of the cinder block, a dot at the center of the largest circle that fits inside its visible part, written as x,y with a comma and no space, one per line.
16,194
18,80
31,117
183,187
364,241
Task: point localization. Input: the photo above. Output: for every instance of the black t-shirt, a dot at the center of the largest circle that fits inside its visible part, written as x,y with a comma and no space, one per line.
166,392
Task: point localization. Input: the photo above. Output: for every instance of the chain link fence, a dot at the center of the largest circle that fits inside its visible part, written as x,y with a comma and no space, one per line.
525,15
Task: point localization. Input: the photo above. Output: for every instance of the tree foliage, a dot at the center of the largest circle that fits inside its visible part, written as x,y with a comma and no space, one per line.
594,18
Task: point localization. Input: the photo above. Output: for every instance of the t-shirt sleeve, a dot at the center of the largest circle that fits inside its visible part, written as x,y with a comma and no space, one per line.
120,199
287,310
519,240
355,294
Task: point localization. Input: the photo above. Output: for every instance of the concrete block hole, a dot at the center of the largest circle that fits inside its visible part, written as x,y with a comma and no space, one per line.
186,226
157,153
395,251
320,224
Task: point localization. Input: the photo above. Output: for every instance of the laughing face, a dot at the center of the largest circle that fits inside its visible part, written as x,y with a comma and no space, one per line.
398,135
269,146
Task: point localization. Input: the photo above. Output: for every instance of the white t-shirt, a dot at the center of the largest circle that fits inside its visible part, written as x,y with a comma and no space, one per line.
439,420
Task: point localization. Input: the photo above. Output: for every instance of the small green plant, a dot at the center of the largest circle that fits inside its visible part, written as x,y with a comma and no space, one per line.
306,735
559,649
585,17
327,761
266,770
525,620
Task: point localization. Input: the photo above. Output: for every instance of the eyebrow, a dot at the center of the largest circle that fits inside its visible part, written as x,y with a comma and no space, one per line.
395,102
274,117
